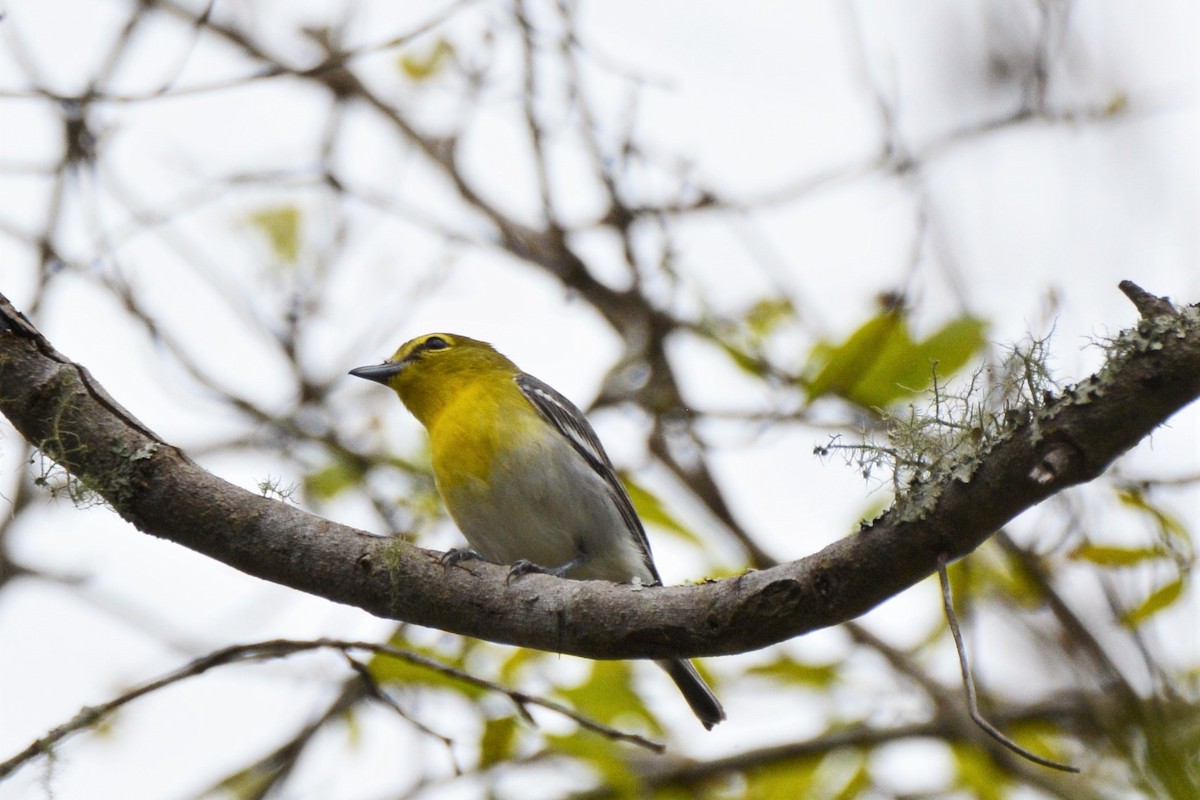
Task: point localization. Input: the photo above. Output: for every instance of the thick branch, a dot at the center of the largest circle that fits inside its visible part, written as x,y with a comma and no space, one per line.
58,407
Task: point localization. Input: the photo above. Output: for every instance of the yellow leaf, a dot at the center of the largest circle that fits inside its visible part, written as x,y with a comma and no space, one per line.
332,479
979,773
1112,556
606,757
768,314
497,743
789,671
785,779
1158,600
608,695
388,669
1134,497
423,66
281,225
652,511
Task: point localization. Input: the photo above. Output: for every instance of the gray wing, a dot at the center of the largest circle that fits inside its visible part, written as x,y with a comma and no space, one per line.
571,423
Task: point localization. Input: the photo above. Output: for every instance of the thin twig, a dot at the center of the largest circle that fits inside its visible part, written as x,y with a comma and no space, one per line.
280,648
377,692
969,682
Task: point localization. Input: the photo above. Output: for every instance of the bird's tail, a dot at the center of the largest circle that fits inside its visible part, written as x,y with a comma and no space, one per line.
701,698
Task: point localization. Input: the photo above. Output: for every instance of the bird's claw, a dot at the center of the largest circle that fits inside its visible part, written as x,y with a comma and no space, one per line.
526,567
454,555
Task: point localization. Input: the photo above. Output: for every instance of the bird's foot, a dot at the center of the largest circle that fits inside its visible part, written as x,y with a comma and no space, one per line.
454,555
525,567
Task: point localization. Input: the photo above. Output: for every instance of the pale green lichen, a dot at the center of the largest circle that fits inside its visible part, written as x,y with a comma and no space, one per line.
391,556
60,483
98,479
1148,336
922,446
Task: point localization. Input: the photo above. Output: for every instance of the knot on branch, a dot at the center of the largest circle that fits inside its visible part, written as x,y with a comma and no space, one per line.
1059,460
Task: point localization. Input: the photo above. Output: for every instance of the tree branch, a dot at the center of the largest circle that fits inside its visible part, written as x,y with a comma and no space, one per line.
1153,371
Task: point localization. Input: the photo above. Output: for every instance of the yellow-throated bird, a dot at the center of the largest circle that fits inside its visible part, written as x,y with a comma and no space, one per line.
523,474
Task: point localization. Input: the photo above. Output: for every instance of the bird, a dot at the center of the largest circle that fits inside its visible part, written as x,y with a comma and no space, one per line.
524,476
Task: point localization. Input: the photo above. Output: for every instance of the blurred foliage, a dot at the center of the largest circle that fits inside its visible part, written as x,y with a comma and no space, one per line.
605,759
608,696
1158,600
880,363
424,64
782,780
652,511
337,476
792,672
389,670
979,774
1172,532
281,227
745,338
499,740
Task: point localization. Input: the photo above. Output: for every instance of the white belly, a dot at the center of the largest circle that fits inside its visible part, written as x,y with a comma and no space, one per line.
548,514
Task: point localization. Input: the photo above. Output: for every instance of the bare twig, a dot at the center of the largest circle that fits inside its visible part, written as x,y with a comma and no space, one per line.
377,692
969,682
281,648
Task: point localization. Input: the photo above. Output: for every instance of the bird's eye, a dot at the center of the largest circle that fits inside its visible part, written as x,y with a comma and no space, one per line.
435,343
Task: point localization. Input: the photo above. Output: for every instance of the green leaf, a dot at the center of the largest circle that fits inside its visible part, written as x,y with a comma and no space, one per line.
497,744
1159,599
994,572
787,670
744,360
907,368
951,348
965,582
354,729
281,225
765,316
1041,737
782,780
652,511
1117,104
1112,556
423,66
858,785
516,659
838,369
604,756
1168,524
248,784
385,668
880,363
332,479
608,695
743,339
979,773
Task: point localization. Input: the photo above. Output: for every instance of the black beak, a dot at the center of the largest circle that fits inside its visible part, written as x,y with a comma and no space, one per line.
380,373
